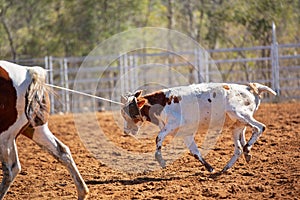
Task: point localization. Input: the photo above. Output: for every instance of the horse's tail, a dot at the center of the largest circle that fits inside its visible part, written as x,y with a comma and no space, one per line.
37,104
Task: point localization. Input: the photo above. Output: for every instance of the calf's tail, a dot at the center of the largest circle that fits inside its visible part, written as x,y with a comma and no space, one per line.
258,89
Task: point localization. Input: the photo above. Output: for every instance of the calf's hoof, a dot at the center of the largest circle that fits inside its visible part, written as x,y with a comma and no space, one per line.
224,169
160,160
248,157
208,167
162,163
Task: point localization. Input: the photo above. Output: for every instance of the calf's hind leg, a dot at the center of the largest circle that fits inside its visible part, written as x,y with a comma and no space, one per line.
46,140
258,129
238,138
247,154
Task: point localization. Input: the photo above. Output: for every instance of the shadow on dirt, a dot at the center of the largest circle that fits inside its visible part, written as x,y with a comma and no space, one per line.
135,181
141,180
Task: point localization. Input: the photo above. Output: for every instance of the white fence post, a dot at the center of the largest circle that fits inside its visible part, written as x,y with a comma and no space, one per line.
200,66
121,74
66,80
131,69
49,66
206,63
196,66
126,72
275,62
203,65
62,83
136,78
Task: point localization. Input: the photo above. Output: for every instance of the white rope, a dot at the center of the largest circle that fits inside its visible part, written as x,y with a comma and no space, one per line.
85,94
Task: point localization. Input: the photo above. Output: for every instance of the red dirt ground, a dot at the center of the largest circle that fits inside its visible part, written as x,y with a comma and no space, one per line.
273,172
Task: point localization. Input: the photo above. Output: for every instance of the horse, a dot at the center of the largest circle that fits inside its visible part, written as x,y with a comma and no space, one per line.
24,109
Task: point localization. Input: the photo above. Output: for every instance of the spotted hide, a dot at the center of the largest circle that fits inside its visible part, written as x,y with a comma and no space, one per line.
199,106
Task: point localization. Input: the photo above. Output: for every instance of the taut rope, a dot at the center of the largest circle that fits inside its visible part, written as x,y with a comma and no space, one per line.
85,94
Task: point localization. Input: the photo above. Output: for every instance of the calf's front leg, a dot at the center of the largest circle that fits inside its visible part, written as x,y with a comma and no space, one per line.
190,143
159,141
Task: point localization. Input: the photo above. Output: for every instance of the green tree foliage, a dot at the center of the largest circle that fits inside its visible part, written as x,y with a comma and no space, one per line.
36,28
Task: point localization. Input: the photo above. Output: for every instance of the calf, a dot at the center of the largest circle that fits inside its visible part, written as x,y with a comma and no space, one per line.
24,109
202,106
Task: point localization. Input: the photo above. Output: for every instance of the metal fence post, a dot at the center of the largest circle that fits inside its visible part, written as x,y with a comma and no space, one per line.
62,83
131,69
136,78
196,66
275,62
206,63
126,72
121,73
201,64
66,80
49,67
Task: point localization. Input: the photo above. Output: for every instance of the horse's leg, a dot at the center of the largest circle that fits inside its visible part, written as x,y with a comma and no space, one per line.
10,164
45,139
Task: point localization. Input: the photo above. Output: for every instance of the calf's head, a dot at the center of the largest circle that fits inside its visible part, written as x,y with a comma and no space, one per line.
131,112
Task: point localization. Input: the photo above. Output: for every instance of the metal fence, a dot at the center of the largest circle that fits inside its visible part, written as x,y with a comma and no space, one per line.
277,66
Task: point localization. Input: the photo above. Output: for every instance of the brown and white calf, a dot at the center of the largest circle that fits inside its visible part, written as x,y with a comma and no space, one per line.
199,106
24,109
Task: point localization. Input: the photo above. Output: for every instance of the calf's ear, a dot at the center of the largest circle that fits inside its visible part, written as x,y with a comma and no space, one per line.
138,93
123,99
141,103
